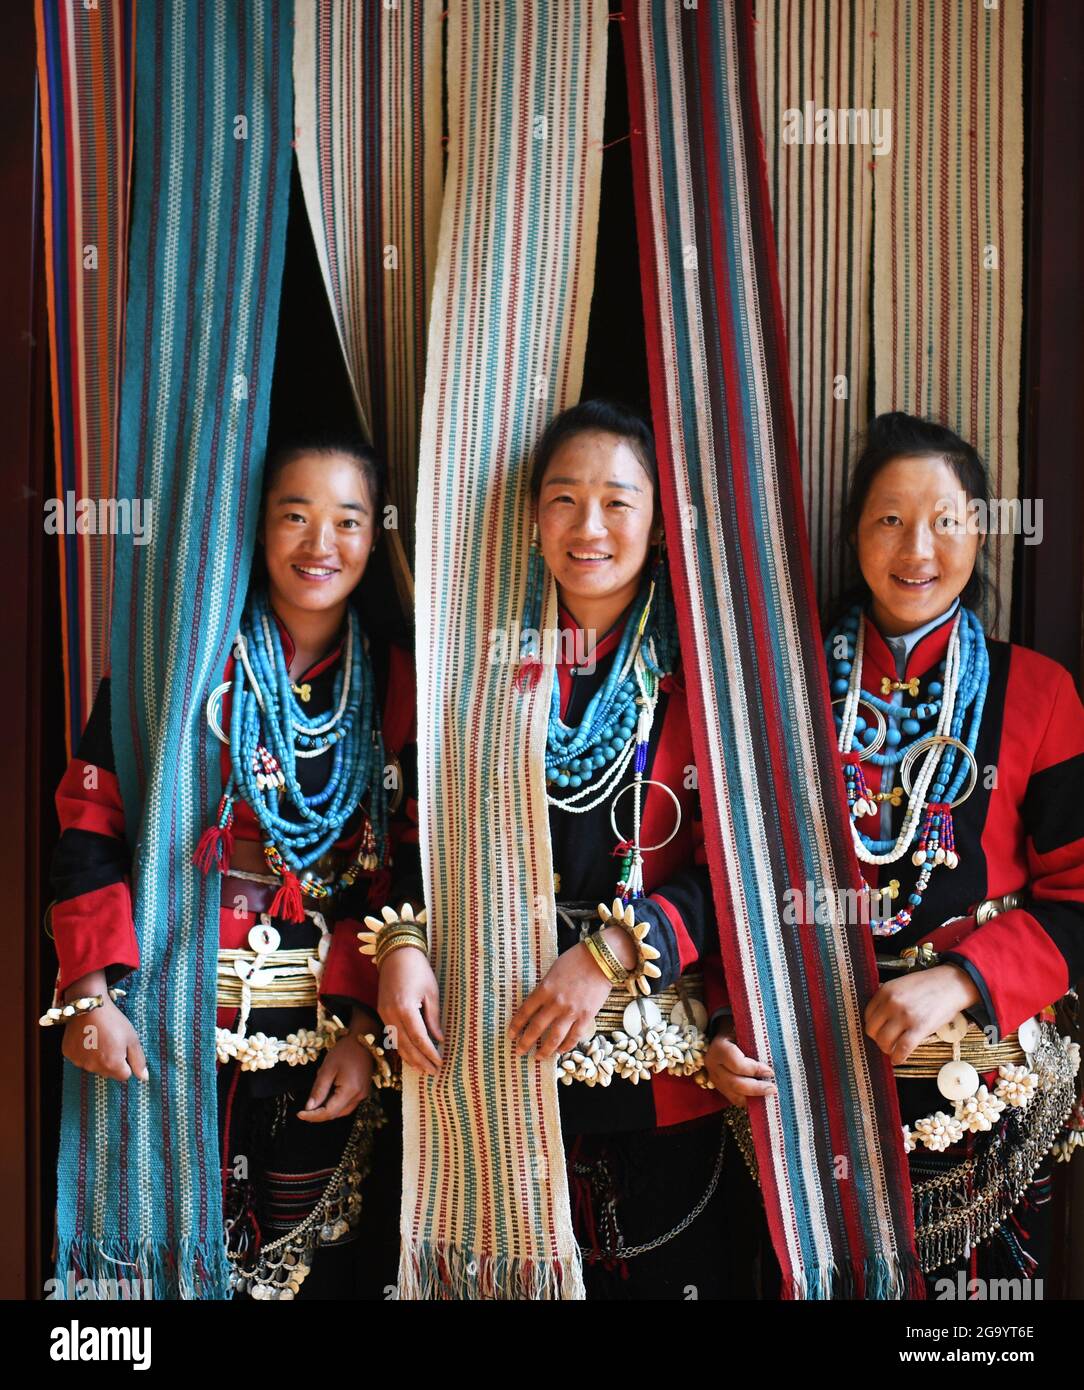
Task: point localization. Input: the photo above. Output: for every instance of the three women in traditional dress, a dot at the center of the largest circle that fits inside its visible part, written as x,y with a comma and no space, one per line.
960,757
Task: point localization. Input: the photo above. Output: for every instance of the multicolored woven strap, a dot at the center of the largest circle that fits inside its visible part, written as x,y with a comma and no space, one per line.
85,75
829,1145
139,1184
367,88
486,1208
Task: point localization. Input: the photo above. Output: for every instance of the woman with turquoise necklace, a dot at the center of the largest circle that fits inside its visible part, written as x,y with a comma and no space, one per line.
314,730
623,1011
961,757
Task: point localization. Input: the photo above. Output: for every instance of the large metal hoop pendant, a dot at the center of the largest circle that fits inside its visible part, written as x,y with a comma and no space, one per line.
214,704
646,849
882,729
915,751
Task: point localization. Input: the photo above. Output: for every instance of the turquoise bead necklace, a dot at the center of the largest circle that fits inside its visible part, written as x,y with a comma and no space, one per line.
269,732
617,720
585,763
947,752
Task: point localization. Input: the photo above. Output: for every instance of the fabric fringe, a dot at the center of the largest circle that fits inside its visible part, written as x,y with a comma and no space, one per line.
878,1278
441,1270
120,1270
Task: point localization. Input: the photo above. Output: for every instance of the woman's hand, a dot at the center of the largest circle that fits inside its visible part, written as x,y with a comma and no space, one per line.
560,1011
733,1074
409,1004
103,1041
345,1076
906,1011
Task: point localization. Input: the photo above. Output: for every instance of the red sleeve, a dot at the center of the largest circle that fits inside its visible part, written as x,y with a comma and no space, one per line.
347,973
91,916
1025,959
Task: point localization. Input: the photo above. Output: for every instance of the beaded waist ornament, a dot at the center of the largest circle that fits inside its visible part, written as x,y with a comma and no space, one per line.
967,1202
637,1036
269,732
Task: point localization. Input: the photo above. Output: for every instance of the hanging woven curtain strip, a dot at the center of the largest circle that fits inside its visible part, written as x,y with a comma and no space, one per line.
948,236
85,75
139,1189
367,81
775,819
485,1207
821,141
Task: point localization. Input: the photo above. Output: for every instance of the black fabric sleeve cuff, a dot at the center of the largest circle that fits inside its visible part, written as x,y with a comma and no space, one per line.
981,1013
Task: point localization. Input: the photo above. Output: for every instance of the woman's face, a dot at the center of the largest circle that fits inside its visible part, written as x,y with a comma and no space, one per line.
596,517
916,549
318,530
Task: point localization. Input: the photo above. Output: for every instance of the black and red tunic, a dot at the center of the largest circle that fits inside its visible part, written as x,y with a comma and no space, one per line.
92,913
1021,830
678,898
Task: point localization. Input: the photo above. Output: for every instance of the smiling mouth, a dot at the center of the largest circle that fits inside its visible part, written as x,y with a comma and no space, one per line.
315,571
923,583
589,556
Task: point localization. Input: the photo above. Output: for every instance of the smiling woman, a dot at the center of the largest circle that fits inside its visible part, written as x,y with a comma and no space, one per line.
961,758
623,1012
318,525
308,836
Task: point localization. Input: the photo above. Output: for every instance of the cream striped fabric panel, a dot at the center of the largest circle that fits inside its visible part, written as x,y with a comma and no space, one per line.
899,234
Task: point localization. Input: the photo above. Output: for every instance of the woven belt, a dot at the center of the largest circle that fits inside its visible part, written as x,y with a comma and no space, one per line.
930,1056
684,991
285,980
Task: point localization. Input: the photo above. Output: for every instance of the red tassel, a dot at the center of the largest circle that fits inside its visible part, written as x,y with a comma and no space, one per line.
287,901
528,673
215,847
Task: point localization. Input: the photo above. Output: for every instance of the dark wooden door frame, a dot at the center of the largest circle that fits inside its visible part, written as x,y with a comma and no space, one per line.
1049,598
1048,609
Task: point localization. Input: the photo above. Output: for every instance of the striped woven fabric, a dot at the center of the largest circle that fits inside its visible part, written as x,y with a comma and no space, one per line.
139,1180
367,93
829,1146
814,57
85,72
948,232
485,1207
